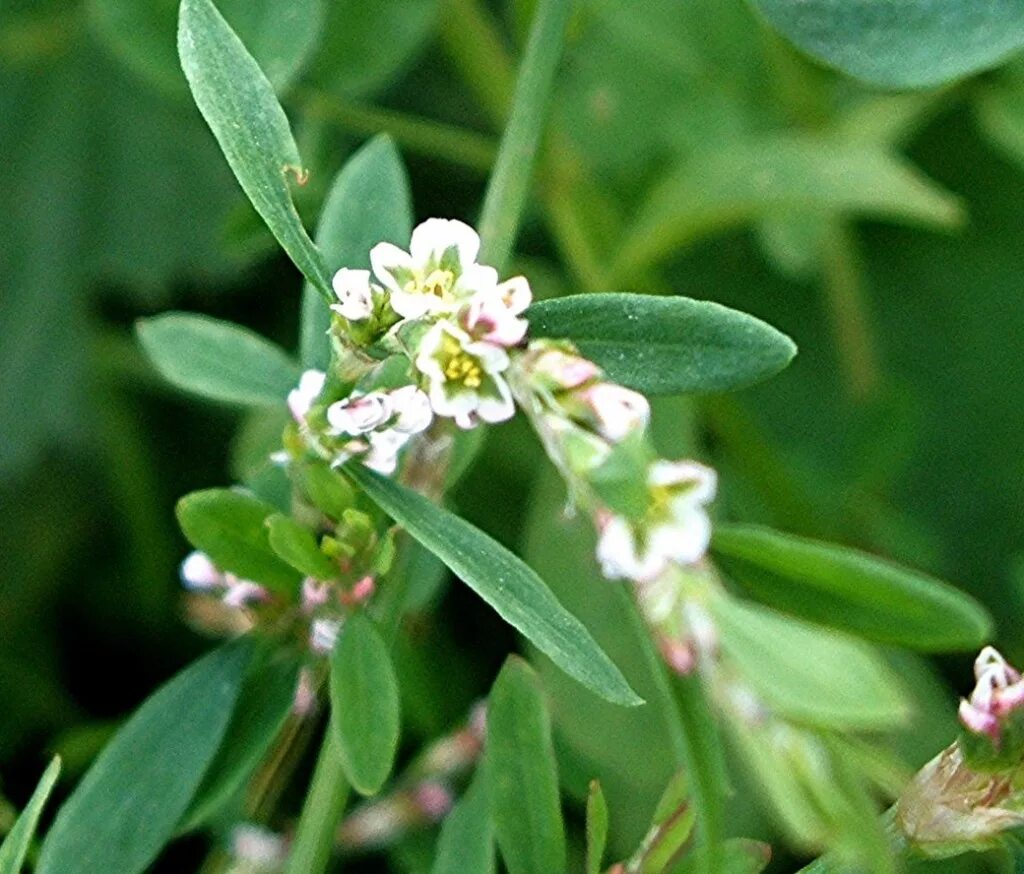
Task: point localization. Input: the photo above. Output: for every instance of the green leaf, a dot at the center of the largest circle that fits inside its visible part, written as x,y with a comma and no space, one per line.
365,704
750,179
231,528
329,491
466,842
239,105
902,43
851,590
518,595
809,674
15,845
369,202
281,36
670,831
263,706
665,345
129,803
597,827
297,545
525,805
218,360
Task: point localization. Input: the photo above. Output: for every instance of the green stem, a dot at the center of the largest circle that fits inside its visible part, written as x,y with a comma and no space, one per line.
324,807
510,182
423,135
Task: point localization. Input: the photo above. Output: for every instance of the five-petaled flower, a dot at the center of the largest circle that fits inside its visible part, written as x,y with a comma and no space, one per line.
676,528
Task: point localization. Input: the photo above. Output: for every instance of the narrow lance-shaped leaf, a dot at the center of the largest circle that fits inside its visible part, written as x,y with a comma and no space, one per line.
466,842
263,706
365,704
851,590
241,109
15,846
597,827
665,345
218,360
504,581
129,804
902,43
522,774
369,202
230,527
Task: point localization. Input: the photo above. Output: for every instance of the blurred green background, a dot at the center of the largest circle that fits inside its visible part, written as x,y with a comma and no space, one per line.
690,151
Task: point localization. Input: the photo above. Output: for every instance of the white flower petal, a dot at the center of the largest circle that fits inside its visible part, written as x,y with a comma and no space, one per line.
199,572
412,408
497,409
354,294
685,539
431,239
359,414
387,260
516,294
416,305
700,482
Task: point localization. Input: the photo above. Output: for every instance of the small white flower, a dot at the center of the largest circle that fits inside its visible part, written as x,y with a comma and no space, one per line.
360,413
323,635
677,527
199,573
437,273
258,846
558,369
465,381
355,295
616,411
412,408
242,593
301,399
495,317
383,451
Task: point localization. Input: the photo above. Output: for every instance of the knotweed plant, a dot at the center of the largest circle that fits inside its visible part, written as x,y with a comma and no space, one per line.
759,652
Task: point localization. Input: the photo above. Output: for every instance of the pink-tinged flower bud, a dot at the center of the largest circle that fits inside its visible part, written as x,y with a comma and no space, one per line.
323,635
314,595
361,592
617,411
301,399
305,695
199,573
557,369
242,593
993,716
433,799
679,655
359,414
355,296
493,316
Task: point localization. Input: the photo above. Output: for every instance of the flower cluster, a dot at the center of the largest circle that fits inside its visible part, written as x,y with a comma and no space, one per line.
200,574
450,314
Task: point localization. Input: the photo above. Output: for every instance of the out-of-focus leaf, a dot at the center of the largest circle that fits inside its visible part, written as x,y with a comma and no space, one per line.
367,44
129,804
218,360
365,704
742,181
809,674
518,595
297,545
597,827
369,202
238,103
280,36
850,590
902,43
263,706
15,845
231,528
466,842
1000,112
742,856
522,774
665,345
329,491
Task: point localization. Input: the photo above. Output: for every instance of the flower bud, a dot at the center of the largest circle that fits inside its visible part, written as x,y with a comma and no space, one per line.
355,296
615,411
199,573
301,399
993,717
359,414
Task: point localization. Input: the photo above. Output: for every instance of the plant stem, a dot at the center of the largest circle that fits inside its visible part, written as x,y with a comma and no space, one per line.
848,309
423,135
324,807
510,182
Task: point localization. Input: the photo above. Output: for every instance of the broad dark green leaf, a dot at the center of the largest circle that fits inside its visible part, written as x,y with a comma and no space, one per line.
230,527
365,704
369,202
850,590
15,845
902,43
466,842
297,545
218,360
525,805
263,706
518,595
750,179
280,36
239,105
127,807
807,673
665,345
597,827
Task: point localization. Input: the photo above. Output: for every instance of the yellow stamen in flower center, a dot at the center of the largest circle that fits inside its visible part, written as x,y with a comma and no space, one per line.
465,369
